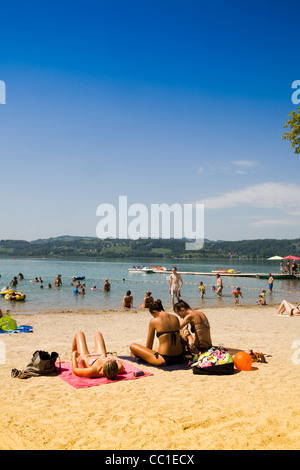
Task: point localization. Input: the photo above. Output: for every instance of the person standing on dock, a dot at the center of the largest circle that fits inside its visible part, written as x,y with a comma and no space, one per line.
219,285
175,285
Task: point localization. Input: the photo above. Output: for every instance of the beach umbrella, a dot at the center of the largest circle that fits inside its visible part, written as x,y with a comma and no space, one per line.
275,258
291,257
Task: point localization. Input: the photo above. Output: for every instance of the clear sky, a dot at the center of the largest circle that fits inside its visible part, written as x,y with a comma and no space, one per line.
164,101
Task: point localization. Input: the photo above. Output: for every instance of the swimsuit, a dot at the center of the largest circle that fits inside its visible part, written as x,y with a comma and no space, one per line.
170,360
95,357
173,335
296,308
200,326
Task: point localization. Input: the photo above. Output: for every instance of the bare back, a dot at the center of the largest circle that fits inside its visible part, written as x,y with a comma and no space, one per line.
167,329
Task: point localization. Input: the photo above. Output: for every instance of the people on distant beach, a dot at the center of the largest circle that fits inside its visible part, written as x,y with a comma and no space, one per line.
237,293
147,300
58,281
20,277
199,338
201,289
49,286
94,288
128,300
82,289
281,267
106,286
167,329
175,285
219,285
97,364
271,280
294,268
287,267
14,282
261,300
291,309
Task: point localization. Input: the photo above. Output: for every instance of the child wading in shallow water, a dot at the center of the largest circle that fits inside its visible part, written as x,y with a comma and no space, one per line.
261,300
236,294
201,289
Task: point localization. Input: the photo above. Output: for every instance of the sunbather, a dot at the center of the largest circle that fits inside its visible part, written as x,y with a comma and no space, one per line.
97,364
290,309
170,349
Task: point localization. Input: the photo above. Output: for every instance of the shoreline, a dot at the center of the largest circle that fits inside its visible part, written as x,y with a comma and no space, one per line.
273,305
169,410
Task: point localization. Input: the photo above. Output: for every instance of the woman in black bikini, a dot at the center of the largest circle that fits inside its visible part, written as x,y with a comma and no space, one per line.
291,309
201,341
167,329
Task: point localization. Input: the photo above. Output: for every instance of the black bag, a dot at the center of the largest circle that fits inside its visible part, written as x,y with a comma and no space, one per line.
224,369
42,363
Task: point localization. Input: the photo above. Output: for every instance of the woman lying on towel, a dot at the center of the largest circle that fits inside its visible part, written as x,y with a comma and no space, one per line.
291,309
97,364
170,349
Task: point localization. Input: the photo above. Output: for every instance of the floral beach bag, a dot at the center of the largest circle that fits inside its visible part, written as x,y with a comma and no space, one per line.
215,361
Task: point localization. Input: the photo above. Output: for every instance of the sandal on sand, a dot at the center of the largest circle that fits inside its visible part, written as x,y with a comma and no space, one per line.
258,357
18,374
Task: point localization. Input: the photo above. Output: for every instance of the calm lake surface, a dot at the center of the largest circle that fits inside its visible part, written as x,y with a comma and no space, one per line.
121,280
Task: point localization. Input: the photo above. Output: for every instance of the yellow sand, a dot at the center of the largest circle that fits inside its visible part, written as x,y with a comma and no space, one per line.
177,410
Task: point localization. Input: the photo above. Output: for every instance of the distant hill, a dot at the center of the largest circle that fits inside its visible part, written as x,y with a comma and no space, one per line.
91,247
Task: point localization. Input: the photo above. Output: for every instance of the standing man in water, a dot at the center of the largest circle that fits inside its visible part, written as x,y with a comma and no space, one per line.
175,285
219,285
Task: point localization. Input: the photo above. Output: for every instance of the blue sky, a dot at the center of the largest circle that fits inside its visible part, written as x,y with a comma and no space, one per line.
162,101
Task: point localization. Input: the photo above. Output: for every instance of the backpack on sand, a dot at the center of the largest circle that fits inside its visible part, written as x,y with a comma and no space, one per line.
42,363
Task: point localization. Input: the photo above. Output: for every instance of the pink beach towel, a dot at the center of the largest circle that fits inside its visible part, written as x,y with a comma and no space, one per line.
68,376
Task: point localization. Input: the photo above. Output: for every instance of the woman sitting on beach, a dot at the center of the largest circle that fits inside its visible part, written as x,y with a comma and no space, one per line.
291,309
97,364
128,300
148,300
201,341
167,329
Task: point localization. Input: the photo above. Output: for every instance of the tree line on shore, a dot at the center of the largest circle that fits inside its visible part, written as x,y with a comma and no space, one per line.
90,247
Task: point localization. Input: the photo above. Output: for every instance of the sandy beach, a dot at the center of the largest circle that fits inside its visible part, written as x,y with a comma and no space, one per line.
169,410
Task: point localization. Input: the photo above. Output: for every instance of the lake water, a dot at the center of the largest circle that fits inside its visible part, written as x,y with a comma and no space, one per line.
121,280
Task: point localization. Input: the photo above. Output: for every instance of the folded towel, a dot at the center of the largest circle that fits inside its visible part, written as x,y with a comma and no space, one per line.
75,381
20,329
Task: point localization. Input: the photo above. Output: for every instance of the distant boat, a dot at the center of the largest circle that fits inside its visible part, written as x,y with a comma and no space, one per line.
276,276
226,271
138,269
160,269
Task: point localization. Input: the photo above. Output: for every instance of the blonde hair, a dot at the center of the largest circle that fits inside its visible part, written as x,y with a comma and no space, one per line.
110,369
